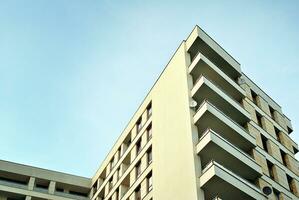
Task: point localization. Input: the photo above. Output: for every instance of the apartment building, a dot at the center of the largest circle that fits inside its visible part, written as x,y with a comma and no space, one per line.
204,131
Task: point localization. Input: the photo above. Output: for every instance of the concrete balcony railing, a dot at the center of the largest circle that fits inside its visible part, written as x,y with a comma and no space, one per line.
204,89
212,146
14,185
203,66
216,180
208,116
200,41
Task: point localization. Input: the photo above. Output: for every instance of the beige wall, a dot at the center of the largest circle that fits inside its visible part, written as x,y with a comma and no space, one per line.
174,169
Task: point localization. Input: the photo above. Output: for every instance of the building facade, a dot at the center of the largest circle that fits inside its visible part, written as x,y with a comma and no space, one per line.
204,131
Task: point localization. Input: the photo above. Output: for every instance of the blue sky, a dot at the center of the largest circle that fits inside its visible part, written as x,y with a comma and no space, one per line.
73,72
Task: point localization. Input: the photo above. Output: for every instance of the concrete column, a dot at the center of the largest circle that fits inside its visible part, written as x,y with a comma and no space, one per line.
31,183
52,187
292,164
143,139
144,163
132,176
133,153
66,191
247,90
115,177
90,195
262,183
280,119
273,150
100,182
261,160
280,176
123,168
107,189
144,117
295,187
255,133
133,132
263,105
116,156
250,109
123,149
144,188
286,141
28,198
133,196
268,126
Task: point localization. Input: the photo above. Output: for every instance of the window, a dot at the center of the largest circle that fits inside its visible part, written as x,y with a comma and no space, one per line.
113,162
110,184
283,156
149,156
277,132
139,124
270,168
150,182
138,193
58,189
138,169
116,195
290,181
118,173
149,110
259,119
126,144
138,146
272,112
289,130
276,194
118,153
149,132
254,97
264,141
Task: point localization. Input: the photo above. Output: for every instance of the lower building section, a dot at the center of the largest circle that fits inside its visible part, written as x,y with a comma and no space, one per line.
25,182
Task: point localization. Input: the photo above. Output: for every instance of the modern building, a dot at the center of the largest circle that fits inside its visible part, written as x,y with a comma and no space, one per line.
204,131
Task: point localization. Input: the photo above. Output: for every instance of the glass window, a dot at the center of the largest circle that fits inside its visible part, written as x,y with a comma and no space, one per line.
138,169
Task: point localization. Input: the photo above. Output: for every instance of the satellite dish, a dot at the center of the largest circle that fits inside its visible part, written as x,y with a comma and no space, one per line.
267,190
193,104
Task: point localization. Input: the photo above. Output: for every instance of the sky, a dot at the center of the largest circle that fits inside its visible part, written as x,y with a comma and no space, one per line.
73,72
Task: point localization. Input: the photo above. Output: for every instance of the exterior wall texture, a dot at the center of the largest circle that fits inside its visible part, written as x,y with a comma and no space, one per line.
204,131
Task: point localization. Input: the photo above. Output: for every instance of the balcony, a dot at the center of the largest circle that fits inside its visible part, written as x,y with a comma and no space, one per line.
200,42
205,89
217,181
203,66
208,116
214,147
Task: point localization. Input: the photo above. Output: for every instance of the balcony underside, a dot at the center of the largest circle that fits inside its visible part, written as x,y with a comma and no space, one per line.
218,181
210,49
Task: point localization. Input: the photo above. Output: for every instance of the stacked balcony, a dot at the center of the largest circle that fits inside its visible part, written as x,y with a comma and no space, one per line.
214,147
202,66
228,171
218,181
